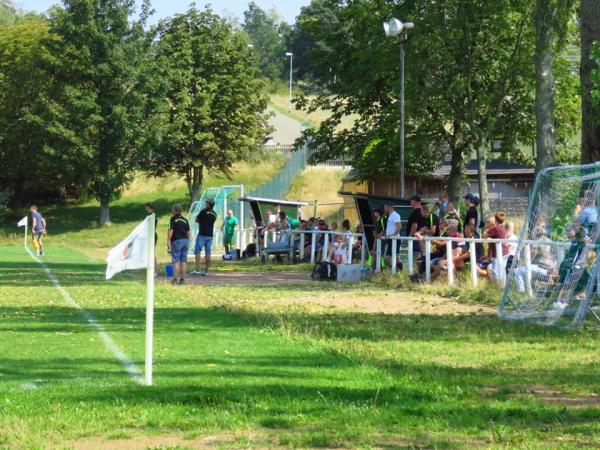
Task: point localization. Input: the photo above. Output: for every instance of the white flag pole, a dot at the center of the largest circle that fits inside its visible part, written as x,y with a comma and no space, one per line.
150,300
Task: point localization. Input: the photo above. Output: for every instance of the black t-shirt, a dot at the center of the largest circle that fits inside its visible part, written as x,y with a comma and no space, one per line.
472,214
415,217
180,227
432,220
206,221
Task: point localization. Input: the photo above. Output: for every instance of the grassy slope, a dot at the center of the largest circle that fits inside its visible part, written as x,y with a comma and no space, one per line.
227,361
322,183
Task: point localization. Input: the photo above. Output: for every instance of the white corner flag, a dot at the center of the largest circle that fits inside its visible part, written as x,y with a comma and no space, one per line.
136,251
23,223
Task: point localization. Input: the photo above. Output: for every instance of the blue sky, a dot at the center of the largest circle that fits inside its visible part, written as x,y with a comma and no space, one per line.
289,9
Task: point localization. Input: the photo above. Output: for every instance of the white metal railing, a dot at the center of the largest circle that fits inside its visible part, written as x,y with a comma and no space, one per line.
450,269
299,244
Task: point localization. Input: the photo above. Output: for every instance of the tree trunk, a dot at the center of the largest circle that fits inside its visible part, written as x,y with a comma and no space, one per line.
194,178
457,167
104,213
482,179
544,86
590,120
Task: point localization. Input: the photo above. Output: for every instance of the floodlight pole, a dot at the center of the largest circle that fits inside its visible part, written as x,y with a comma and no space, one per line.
291,56
402,187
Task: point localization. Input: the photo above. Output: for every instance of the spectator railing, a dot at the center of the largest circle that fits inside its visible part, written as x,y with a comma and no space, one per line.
525,245
300,245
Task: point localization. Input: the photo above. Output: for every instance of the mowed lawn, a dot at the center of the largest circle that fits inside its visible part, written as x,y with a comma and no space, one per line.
265,367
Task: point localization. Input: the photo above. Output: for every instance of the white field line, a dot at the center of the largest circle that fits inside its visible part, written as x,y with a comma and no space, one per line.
125,361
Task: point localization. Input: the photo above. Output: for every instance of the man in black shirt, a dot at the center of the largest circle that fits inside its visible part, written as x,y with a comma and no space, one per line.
415,220
177,243
206,222
472,216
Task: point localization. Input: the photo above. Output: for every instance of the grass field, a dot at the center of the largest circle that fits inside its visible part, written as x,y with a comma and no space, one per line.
290,366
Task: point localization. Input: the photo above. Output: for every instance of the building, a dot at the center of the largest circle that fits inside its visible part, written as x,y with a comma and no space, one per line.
508,185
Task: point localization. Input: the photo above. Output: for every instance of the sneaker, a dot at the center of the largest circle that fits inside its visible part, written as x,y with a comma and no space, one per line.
203,273
174,281
181,281
559,304
195,272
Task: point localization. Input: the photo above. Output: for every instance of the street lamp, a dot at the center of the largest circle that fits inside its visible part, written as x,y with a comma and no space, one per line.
291,56
394,28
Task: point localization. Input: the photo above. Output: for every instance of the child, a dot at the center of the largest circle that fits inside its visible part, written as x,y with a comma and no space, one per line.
340,250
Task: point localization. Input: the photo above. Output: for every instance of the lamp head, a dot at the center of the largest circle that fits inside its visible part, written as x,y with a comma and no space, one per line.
395,27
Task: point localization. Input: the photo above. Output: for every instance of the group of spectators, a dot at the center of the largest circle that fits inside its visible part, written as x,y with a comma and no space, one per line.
444,220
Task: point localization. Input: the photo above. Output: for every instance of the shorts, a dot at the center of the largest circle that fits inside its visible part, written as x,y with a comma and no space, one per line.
484,265
203,242
387,250
228,239
37,235
179,251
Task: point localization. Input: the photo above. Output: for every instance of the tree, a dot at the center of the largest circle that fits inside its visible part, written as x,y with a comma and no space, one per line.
8,13
29,167
267,37
468,83
551,22
216,100
100,104
590,36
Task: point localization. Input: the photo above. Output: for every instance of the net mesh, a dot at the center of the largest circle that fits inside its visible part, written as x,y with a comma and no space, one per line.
554,276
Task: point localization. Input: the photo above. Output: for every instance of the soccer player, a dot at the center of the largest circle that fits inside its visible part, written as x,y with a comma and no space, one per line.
38,229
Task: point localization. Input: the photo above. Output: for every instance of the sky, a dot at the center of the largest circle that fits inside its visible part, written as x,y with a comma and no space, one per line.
289,9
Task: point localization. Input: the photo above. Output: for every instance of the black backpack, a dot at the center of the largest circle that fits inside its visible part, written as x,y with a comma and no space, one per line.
324,270
250,251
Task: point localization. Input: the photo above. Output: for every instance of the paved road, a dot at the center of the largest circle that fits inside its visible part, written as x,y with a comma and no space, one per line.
286,130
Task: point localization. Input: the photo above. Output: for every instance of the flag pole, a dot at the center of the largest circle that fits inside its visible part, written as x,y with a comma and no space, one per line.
150,300
25,237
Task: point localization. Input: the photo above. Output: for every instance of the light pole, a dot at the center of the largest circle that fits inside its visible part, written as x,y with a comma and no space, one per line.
393,28
291,56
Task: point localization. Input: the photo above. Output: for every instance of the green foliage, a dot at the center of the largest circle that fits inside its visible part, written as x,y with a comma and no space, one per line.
30,168
268,38
216,100
8,13
469,80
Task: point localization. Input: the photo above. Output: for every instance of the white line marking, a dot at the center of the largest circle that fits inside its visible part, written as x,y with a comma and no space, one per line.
125,361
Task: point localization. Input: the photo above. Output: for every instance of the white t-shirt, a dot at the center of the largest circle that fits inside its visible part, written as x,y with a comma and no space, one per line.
393,219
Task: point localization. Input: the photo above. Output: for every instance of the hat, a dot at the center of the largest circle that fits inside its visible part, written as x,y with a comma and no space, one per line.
416,198
472,198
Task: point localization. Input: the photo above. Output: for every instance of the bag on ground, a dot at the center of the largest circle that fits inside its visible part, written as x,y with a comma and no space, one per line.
323,271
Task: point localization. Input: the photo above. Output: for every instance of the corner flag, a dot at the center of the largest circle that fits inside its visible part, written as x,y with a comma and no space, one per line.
131,253
136,251
22,222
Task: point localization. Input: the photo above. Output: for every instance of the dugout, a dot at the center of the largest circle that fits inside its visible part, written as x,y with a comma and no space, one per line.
365,205
260,206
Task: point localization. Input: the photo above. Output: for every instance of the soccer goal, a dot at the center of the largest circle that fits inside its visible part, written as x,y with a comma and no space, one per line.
553,279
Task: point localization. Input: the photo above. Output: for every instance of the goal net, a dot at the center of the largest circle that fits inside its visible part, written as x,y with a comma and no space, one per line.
553,279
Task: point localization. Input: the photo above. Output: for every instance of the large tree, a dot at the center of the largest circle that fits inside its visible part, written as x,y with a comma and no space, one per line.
100,106
590,36
469,74
31,171
215,96
267,37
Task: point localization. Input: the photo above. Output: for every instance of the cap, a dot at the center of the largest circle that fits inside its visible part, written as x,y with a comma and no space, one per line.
416,198
472,198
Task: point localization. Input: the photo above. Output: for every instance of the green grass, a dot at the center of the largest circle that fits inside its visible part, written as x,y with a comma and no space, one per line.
243,365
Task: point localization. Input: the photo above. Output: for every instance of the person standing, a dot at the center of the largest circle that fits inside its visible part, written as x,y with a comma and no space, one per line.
472,217
392,229
38,229
206,222
230,226
178,239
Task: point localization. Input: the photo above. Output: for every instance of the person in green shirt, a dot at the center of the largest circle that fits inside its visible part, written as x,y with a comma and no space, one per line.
230,226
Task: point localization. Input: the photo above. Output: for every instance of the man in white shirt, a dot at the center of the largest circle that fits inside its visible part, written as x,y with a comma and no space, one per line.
392,230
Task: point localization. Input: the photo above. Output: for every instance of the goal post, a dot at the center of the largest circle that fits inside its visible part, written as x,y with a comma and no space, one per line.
553,279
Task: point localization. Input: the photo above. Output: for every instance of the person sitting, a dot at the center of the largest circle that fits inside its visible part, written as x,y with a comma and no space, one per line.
452,213
494,230
429,227
542,262
512,245
284,230
441,264
339,250
465,257
358,243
